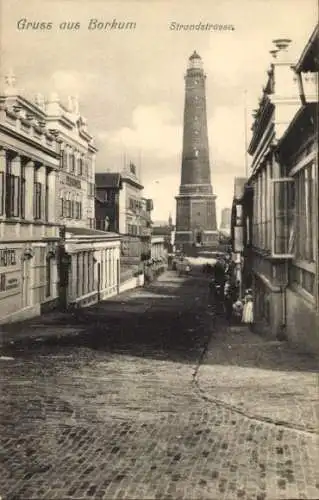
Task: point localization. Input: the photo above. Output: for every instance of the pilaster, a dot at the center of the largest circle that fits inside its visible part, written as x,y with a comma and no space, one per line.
29,189
52,201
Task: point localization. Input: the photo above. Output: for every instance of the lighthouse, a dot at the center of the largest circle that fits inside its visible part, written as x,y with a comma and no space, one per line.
196,224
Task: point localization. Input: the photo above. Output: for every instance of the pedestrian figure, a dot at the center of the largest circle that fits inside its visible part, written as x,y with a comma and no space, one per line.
248,312
238,310
228,301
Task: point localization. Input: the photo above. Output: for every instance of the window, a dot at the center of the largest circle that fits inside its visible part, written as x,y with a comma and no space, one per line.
305,210
12,198
78,209
72,208
72,163
37,200
80,166
64,159
302,278
283,217
68,207
91,189
62,212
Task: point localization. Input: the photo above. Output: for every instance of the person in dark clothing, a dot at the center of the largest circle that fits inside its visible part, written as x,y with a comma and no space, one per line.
219,273
228,300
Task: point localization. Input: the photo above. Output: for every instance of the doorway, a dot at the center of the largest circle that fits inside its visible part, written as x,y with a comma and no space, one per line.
198,237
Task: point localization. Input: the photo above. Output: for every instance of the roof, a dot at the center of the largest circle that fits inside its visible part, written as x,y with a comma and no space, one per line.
85,232
108,179
309,59
194,55
310,111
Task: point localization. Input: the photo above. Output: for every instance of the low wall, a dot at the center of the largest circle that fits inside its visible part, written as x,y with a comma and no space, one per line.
132,283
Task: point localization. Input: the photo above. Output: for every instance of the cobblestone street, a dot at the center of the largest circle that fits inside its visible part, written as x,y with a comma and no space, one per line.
149,398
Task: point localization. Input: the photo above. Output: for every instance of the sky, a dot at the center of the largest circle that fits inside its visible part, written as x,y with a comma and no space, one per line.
130,83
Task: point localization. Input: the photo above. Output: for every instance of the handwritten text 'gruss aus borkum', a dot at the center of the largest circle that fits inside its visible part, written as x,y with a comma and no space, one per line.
92,25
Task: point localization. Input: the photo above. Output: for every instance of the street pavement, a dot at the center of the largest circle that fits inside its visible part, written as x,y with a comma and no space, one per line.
150,396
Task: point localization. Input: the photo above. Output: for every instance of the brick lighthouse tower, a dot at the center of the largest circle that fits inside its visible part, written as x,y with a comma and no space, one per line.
196,224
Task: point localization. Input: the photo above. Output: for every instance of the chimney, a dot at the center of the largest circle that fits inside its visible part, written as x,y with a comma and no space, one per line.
286,93
282,53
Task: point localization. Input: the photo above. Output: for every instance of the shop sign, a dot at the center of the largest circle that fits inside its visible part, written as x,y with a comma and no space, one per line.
71,181
8,257
8,283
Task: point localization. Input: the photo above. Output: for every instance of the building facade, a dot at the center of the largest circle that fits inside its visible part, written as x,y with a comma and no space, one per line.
76,179
120,202
238,229
89,258
196,223
297,152
107,201
29,233
225,220
284,180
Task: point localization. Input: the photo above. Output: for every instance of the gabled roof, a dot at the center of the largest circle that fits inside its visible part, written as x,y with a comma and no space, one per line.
108,179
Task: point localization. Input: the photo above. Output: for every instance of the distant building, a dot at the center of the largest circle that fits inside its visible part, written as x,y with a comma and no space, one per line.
107,201
166,231
225,219
120,206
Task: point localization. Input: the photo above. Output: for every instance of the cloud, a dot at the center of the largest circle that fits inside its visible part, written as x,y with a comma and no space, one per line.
152,131
227,137
73,82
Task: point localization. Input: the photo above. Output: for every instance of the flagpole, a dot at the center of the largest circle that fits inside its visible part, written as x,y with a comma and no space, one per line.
245,125
140,164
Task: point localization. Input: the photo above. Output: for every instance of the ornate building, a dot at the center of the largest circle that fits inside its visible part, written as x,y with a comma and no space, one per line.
195,204
90,264
29,234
